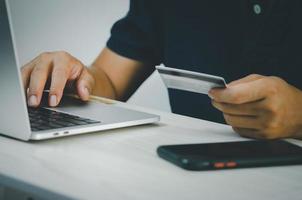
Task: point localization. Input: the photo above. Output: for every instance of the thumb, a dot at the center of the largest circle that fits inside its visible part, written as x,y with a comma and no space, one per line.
85,85
249,78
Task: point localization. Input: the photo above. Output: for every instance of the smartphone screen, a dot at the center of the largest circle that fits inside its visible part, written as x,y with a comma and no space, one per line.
232,154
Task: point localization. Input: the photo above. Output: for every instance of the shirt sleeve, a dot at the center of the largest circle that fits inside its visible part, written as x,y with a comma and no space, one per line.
136,36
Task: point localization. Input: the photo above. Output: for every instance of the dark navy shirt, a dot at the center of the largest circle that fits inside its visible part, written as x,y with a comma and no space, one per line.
225,38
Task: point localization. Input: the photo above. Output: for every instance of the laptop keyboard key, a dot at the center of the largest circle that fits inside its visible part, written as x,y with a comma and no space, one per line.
46,119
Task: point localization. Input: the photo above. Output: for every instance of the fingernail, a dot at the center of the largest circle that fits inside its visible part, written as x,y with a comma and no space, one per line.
32,101
53,100
85,91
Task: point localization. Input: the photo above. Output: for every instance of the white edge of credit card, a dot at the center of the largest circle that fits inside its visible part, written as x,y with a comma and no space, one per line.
189,80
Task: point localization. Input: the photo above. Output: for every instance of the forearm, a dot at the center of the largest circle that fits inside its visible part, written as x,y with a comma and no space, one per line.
117,77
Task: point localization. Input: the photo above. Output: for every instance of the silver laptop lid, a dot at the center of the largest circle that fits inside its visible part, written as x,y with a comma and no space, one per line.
14,120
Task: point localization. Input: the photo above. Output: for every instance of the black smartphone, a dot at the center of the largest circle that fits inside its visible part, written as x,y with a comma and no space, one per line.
230,155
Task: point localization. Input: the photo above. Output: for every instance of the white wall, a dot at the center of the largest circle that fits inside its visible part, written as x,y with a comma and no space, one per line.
79,27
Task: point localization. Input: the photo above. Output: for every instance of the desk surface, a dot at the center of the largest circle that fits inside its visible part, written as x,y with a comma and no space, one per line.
122,164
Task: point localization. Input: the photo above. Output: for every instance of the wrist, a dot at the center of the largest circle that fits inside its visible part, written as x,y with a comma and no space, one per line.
103,86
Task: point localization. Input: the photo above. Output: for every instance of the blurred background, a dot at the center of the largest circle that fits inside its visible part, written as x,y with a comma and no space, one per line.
80,27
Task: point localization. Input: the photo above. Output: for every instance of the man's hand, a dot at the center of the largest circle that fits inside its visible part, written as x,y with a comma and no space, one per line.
59,68
261,107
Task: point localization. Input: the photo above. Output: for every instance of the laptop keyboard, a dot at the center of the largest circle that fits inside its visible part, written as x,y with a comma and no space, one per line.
44,119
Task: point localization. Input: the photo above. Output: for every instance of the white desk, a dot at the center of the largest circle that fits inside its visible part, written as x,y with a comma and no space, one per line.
122,164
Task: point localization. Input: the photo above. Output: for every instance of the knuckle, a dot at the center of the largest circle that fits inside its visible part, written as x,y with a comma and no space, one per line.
63,54
45,56
274,84
62,57
38,70
276,79
271,124
273,90
77,67
274,124
254,76
273,109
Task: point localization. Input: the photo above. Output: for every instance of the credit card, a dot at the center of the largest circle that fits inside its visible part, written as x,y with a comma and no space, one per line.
189,80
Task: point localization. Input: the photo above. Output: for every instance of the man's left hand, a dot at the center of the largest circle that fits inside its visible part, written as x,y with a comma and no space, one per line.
261,107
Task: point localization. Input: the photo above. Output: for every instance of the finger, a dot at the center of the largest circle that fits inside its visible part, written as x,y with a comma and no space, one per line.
71,82
59,78
85,85
38,79
74,75
26,71
246,79
76,70
239,121
248,133
241,93
248,109
66,68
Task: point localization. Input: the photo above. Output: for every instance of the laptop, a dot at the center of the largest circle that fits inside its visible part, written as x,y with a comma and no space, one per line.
70,118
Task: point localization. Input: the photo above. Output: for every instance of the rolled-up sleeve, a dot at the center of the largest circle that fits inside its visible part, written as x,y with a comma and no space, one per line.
136,36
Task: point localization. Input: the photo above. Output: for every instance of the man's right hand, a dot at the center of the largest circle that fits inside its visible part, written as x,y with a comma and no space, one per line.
58,69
